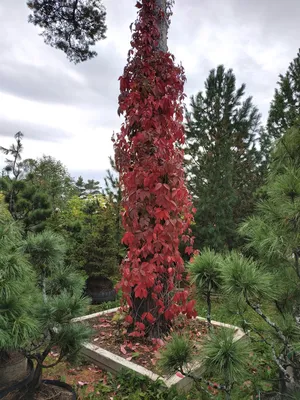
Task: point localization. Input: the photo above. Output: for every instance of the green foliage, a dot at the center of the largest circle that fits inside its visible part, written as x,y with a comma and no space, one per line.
46,251
65,278
61,308
244,278
285,106
90,229
14,164
26,201
130,386
176,355
205,274
28,320
63,300
272,272
89,188
287,150
18,295
204,271
273,234
221,357
224,164
225,357
52,178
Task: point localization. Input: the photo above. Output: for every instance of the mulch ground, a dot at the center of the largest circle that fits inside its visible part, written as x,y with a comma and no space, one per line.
83,377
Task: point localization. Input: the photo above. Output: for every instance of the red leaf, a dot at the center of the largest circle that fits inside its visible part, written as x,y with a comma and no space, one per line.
123,350
156,207
140,326
190,308
140,292
136,334
149,317
129,319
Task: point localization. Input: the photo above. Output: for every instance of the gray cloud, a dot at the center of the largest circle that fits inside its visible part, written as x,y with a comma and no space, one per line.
96,81
97,85
31,130
277,20
263,24
87,85
31,70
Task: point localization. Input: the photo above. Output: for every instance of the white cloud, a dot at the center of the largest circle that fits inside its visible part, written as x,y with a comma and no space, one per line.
74,107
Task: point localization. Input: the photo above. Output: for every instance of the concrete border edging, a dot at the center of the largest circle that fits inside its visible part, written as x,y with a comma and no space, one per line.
113,363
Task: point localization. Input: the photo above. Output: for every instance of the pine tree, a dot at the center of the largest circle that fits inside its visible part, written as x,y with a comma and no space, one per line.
223,160
80,186
62,288
205,274
272,272
221,357
89,188
18,295
27,202
72,26
13,167
263,281
98,249
52,178
92,187
285,106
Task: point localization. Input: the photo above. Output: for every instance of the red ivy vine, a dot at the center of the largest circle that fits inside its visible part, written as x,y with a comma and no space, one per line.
157,209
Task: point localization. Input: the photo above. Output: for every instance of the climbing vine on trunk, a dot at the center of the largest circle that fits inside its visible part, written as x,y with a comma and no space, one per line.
157,208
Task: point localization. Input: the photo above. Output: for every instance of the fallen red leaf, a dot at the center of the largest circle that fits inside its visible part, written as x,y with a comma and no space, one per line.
123,350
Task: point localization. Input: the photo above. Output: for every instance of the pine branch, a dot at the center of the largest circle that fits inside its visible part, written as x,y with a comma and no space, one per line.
257,309
276,359
196,380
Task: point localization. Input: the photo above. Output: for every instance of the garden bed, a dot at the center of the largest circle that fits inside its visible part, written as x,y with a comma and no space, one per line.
111,351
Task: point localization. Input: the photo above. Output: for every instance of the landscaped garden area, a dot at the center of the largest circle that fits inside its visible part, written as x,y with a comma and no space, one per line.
179,278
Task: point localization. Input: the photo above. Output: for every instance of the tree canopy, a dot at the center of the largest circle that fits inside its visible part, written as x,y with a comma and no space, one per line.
72,26
285,106
223,160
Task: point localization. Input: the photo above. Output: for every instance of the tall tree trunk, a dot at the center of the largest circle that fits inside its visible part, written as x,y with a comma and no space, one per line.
140,306
162,24
149,160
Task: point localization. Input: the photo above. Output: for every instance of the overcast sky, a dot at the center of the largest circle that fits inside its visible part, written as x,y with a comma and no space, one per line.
69,111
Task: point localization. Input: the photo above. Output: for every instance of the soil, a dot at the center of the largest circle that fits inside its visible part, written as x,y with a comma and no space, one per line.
47,392
111,336
82,377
